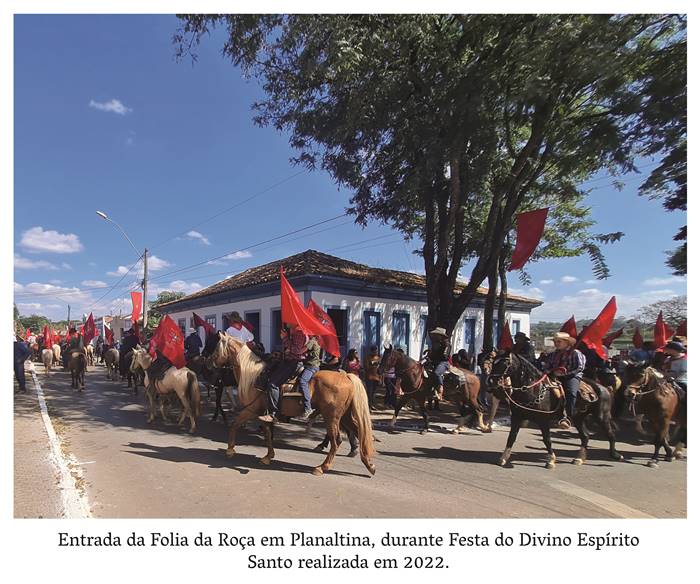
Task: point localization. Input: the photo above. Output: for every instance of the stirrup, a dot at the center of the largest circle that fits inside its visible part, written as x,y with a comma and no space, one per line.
564,423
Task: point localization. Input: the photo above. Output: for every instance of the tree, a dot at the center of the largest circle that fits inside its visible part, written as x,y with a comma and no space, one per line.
35,322
446,126
154,315
674,310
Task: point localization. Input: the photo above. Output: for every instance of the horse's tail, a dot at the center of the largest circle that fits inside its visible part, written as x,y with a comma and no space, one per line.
193,394
361,417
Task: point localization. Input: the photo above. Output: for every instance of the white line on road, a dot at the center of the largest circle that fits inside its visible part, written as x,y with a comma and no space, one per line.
610,505
75,503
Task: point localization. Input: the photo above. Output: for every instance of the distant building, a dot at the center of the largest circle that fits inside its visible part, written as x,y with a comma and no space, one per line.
369,306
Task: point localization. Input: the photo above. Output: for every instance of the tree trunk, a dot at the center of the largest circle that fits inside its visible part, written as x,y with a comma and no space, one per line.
488,310
502,297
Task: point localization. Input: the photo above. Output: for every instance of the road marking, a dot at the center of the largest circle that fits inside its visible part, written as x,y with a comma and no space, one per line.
610,505
75,502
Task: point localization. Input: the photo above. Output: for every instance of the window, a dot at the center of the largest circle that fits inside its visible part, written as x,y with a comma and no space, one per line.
339,316
400,331
470,335
191,321
275,328
211,319
224,322
372,331
496,332
515,327
254,319
181,323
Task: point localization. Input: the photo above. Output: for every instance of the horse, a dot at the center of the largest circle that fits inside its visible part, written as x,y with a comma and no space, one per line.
90,354
77,365
419,387
340,397
220,378
134,374
47,360
659,401
181,381
111,357
56,354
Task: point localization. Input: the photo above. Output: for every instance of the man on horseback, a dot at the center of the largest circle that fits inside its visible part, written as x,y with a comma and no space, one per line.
237,328
440,352
523,347
129,342
294,342
75,344
193,345
566,364
677,367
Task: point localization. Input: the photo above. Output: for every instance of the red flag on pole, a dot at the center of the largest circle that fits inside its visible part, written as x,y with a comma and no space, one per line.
329,343
592,337
27,334
137,332
530,226
109,336
137,304
682,330
506,340
608,340
637,339
208,329
68,334
293,311
569,327
168,339
89,331
662,332
47,336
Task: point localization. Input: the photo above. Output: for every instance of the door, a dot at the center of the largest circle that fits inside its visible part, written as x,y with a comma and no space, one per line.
372,331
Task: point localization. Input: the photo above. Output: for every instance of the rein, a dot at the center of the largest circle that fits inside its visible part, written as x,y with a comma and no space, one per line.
507,391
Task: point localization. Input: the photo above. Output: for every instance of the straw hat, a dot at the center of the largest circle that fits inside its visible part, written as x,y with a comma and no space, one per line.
439,331
564,337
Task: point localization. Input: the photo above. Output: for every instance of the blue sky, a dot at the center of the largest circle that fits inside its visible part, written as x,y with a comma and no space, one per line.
105,119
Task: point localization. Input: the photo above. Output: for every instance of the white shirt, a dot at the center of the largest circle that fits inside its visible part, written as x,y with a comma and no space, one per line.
243,335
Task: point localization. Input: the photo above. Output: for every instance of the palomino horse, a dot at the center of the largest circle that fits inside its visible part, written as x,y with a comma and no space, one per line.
47,360
181,381
77,365
340,397
655,397
56,354
111,358
416,386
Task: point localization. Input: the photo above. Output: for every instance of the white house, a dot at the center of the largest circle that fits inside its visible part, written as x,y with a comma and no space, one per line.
369,306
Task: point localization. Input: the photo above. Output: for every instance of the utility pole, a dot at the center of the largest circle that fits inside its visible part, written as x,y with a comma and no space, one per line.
145,288
69,317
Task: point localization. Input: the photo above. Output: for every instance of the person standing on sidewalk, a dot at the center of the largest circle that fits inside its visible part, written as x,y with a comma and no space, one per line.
22,353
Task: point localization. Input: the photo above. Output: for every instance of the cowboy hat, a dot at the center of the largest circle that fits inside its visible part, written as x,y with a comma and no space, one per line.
564,337
521,335
439,331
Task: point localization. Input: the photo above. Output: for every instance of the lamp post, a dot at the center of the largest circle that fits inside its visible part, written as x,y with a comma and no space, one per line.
145,266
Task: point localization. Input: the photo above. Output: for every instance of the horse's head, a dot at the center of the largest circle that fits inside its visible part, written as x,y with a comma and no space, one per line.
139,359
499,379
637,376
389,358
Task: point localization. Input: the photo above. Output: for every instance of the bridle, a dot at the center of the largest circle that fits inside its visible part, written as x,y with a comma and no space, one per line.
503,383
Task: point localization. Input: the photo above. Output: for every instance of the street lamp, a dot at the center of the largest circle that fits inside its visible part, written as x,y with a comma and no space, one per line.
145,266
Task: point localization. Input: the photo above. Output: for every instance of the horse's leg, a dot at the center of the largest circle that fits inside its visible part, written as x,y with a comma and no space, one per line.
492,414
583,435
424,413
267,459
658,440
243,417
332,429
400,403
515,423
186,410
606,421
547,437
664,440
218,408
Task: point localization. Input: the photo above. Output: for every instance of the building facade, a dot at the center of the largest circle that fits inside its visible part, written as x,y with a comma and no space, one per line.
369,306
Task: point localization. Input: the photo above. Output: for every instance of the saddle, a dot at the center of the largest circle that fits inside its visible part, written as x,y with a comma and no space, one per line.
158,369
587,392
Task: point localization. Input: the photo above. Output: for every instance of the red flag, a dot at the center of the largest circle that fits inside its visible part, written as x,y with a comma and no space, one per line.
68,334
592,337
137,332
293,311
82,328
530,227
329,343
169,341
682,330
208,329
506,340
637,339
47,336
662,332
137,304
89,331
27,334
569,327
109,336
608,340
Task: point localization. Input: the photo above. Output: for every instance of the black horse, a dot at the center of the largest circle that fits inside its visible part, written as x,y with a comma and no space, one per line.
533,396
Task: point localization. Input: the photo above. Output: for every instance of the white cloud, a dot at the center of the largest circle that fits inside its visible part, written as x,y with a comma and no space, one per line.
57,282
239,255
94,283
569,279
113,105
592,282
198,236
28,264
154,264
546,281
38,240
66,266
93,264
174,286
589,291
26,307
664,281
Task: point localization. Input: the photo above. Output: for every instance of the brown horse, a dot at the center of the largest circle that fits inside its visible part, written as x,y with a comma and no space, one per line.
462,387
657,399
77,365
340,397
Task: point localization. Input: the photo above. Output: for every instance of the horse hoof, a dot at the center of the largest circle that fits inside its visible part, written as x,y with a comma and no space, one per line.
265,460
319,448
230,452
502,462
577,461
317,471
550,465
653,464
372,469
424,431
352,453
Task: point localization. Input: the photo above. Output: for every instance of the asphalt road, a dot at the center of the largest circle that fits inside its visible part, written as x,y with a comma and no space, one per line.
128,468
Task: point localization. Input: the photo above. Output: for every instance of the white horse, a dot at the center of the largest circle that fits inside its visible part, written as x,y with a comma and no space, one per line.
56,354
111,358
47,359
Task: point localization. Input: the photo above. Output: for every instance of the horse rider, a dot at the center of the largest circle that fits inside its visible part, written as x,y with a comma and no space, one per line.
312,363
566,363
99,344
294,343
237,328
677,366
440,352
523,347
129,343
193,345
645,354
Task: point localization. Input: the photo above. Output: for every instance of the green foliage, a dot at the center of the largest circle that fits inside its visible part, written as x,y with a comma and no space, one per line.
154,315
35,322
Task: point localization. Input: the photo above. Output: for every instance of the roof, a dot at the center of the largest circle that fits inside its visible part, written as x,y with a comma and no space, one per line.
312,262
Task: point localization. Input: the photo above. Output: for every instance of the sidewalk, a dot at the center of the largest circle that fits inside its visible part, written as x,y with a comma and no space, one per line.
36,479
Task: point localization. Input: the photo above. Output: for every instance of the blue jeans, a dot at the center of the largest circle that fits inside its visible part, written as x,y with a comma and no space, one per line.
371,387
304,379
19,374
571,389
389,396
440,370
